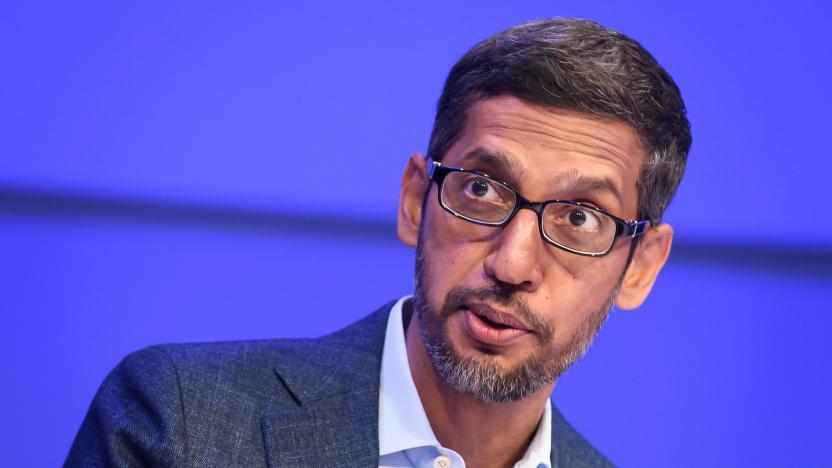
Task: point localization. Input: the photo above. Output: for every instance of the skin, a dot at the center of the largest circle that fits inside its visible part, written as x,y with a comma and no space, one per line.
544,149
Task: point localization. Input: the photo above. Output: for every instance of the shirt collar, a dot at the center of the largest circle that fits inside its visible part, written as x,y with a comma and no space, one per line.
402,422
539,452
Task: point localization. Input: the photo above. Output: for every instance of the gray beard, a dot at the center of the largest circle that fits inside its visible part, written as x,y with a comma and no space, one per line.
480,376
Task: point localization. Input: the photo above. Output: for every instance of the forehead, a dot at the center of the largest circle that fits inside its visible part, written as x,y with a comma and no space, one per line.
546,148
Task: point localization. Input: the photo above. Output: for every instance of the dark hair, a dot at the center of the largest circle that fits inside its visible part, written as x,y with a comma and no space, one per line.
578,65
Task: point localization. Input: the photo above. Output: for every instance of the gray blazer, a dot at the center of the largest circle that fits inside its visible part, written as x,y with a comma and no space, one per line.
289,402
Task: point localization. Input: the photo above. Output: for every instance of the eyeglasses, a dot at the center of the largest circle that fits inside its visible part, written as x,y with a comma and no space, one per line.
569,225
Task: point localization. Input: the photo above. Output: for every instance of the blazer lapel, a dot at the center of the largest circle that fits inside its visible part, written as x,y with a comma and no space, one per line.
569,448
334,381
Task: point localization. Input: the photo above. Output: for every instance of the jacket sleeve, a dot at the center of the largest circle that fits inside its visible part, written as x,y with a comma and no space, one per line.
136,417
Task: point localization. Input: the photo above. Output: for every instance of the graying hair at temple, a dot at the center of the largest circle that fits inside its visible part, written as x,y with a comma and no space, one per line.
577,65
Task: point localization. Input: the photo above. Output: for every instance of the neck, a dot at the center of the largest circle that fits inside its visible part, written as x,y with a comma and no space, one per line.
484,434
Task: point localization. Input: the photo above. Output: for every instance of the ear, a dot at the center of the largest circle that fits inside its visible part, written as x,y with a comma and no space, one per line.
411,200
648,259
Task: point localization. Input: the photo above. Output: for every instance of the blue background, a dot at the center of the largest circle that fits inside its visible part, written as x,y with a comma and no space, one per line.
179,172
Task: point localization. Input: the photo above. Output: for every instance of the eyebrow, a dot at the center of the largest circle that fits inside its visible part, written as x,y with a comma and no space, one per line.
501,161
570,181
573,181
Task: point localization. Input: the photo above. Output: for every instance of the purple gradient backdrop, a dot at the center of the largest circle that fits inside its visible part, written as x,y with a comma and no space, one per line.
174,173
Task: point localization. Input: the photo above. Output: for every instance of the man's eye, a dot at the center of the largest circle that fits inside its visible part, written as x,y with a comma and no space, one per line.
482,188
583,219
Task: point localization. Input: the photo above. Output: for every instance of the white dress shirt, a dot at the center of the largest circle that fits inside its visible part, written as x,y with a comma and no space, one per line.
404,433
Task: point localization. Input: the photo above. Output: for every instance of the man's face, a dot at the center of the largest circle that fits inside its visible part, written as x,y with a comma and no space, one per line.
501,312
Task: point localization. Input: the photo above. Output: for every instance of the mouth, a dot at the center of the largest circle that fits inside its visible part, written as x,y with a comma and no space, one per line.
492,327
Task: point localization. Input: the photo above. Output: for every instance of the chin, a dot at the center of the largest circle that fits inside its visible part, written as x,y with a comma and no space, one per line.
483,372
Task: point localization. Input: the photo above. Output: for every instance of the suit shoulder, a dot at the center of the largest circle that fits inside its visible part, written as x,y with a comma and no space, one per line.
245,367
223,353
138,394
364,335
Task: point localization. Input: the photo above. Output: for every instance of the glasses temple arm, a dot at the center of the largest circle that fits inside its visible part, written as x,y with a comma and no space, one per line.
637,228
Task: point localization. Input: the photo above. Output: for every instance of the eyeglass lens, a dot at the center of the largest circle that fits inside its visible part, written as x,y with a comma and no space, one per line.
484,200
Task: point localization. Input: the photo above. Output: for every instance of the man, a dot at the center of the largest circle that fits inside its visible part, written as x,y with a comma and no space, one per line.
556,148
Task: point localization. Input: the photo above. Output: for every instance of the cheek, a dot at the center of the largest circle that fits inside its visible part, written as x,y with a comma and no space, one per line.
453,252
575,289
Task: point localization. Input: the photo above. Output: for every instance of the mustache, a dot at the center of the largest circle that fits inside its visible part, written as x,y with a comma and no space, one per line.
507,297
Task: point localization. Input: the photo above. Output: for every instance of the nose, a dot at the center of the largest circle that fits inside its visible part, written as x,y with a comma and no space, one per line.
516,258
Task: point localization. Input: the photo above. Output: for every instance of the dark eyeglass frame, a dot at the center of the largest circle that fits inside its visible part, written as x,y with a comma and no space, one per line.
623,228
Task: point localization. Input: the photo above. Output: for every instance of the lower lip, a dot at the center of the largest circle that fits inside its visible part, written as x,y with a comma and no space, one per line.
485,333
